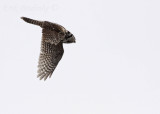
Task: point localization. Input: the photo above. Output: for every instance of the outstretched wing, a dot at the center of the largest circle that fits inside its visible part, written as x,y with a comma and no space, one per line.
50,56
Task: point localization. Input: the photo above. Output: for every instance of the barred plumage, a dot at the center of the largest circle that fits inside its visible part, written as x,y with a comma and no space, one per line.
53,37
31,21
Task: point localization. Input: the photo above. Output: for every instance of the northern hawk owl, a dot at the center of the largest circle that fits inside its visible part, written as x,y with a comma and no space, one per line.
53,37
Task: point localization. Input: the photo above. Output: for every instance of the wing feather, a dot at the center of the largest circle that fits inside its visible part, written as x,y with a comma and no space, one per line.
50,56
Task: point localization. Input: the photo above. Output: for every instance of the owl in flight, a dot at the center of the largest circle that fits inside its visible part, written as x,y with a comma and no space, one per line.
53,37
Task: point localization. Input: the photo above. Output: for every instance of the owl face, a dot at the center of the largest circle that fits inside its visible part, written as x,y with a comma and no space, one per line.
69,38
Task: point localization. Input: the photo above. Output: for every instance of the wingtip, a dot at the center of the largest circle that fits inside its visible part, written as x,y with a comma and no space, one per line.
22,17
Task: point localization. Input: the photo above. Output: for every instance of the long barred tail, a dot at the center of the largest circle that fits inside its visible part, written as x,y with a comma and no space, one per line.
31,21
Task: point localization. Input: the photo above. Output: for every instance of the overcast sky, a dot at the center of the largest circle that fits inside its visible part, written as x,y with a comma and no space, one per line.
114,67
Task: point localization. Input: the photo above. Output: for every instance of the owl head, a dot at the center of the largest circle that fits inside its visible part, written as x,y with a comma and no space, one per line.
69,38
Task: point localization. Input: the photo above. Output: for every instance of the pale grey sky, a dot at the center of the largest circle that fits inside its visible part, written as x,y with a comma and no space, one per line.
114,68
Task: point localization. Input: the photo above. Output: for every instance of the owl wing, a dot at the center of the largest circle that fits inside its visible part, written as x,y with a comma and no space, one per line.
50,55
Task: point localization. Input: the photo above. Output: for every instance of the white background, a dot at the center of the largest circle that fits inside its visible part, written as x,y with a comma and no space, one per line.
114,68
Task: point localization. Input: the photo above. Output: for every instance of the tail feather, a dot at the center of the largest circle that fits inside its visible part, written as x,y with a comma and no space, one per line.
31,21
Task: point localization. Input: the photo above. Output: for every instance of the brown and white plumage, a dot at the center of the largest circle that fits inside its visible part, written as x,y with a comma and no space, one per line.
53,37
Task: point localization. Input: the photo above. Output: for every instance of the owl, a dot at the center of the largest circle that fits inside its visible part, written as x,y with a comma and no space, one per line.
53,37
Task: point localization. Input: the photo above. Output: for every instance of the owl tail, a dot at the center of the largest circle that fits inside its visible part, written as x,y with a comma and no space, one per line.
31,21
